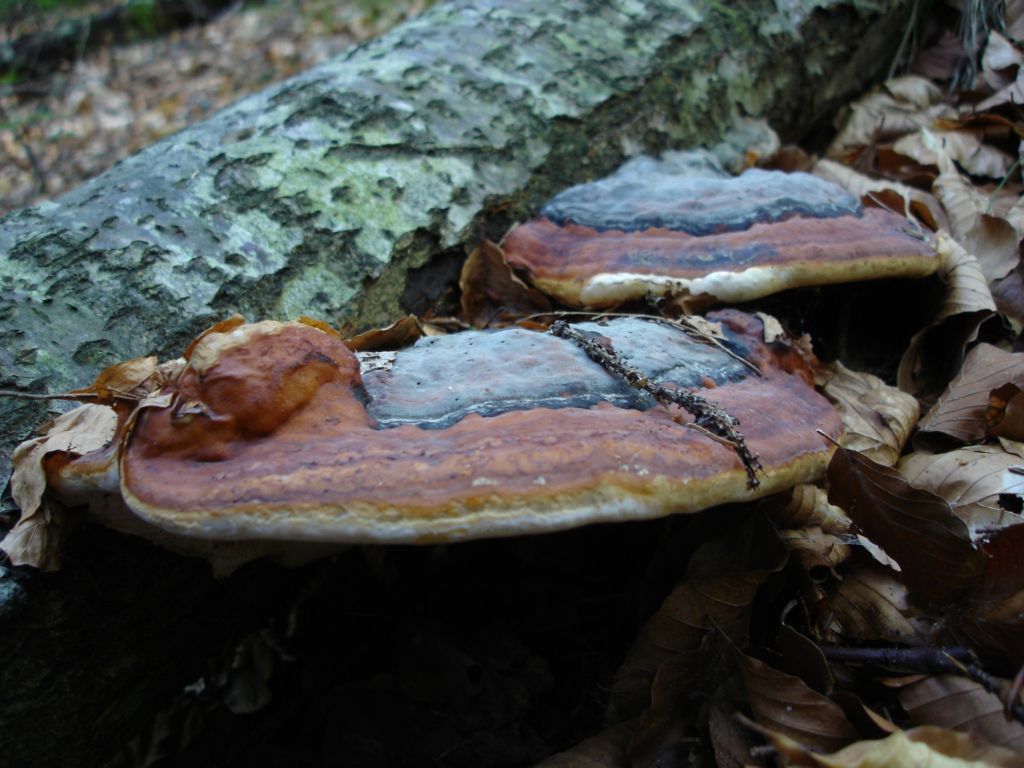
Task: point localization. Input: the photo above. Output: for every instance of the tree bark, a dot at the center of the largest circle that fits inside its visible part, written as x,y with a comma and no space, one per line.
350,193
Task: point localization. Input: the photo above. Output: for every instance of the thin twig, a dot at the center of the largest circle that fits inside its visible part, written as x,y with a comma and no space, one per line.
680,324
957,661
708,415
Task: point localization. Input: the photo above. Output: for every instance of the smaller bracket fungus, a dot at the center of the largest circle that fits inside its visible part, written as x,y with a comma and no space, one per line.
683,226
278,433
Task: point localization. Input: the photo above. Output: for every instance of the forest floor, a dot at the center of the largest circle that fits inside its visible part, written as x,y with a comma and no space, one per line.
61,128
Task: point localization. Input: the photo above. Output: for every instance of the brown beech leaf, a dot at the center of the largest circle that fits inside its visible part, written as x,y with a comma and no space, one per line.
870,605
400,333
1000,61
1009,94
722,578
786,704
960,410
995,621
813,548
807,505
992,240
878,418
606,750
131,380
936,352
899,106
914,526
668,728
956,702
731,742
979,483
884,193
965,147
1004,416
33,540
491,292
923,747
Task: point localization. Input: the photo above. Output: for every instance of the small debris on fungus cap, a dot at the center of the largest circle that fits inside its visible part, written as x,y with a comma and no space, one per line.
271,433
682,226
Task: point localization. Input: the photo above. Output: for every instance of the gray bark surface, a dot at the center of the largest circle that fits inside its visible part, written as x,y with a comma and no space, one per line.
349,193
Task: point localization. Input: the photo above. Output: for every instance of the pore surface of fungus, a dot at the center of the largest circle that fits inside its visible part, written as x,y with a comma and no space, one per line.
272,432
681,225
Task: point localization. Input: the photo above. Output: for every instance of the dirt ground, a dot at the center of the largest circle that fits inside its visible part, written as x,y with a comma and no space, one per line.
59,130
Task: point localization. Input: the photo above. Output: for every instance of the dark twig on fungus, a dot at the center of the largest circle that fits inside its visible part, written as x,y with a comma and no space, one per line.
709,417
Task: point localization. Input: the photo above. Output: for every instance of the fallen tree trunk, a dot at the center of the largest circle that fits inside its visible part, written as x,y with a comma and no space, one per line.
350,193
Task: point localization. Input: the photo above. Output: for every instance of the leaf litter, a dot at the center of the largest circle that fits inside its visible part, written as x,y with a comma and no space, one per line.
907,547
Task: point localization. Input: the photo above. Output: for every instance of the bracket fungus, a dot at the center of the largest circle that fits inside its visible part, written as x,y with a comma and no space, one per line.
682,226
277,433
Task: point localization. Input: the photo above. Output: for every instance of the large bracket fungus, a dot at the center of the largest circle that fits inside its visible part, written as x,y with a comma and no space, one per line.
681,225
275,432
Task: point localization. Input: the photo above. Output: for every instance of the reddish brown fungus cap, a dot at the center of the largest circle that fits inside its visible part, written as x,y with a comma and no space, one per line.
273,433
680,225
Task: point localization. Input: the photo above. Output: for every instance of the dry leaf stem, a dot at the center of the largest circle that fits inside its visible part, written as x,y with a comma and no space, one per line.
711,418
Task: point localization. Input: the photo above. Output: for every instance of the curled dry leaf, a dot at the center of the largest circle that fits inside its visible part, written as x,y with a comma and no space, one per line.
33,540
904,200
606,750
924,747
981,484
722,578
995,619
400,333
913,525
899,106
814,548
130,380
960,412
1004,417
956,702
1000,61
786,704
870,605
807,505
965,147
878,418
935,353
992,240
491,292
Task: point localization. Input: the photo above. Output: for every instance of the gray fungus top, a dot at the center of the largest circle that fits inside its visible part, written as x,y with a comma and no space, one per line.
442,379
680,194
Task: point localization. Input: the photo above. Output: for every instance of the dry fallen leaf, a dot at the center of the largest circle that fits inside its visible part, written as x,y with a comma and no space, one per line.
491,292
722,578
979,483
900,198
870,605
899,106
400,333
956,702
924,747
965,147
132,379
914,526
960,410
935,353
878,418
990,239
787,705
807,505
33,540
